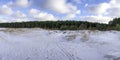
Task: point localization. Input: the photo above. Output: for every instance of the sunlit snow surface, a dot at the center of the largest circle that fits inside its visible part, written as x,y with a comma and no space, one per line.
39,44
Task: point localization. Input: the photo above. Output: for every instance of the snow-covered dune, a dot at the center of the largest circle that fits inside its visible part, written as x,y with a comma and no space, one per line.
39,44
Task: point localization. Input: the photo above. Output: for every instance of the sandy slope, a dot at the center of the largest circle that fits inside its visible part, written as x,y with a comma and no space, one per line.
38,44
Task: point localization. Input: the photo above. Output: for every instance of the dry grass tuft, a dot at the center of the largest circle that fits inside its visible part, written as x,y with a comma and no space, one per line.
71,37
84,36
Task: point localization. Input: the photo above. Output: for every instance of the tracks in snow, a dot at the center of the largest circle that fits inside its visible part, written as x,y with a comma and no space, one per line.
66,53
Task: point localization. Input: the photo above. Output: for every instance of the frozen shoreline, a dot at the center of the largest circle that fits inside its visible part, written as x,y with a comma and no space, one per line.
39,44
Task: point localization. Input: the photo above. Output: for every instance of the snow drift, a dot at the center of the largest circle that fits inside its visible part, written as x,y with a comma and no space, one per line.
39,44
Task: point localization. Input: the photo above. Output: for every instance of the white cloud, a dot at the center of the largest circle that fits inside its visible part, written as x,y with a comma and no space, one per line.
114,12
23,3
72,15
19,3
115,8
62,7
69,16
58,6
19,14
110,9
21,19
13,19
2,21
99,19
99,9
6,10
114,1
34,13
5,19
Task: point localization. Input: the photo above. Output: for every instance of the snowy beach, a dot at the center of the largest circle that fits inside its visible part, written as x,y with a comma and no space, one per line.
39,44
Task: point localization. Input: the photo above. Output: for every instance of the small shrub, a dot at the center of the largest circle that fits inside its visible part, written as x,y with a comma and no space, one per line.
71,37
63,28
85,37
73,28
117,27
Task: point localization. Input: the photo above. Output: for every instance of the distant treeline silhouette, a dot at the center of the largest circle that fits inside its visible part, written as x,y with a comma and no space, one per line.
65,25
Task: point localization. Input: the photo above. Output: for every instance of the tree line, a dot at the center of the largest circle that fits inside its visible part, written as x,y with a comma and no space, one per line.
65,25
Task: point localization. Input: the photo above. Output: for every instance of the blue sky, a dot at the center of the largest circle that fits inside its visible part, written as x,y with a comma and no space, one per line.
84,10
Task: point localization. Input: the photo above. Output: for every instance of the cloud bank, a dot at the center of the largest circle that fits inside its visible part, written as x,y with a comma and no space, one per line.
40,10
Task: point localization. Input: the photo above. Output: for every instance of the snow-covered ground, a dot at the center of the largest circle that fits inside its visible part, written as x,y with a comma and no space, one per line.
39,44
